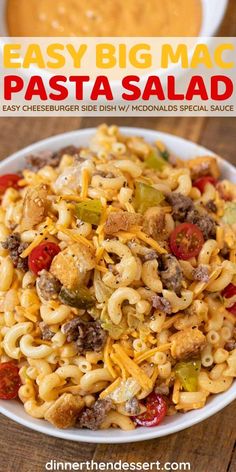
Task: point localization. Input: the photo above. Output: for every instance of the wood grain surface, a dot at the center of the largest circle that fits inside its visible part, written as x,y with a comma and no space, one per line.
208,446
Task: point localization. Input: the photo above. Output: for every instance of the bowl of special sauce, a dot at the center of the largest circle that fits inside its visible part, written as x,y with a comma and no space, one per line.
111,18
106,18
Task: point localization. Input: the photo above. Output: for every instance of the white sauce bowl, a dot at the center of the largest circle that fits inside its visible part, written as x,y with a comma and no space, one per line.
213,14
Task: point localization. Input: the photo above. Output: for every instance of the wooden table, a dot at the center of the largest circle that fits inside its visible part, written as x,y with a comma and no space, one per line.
209,446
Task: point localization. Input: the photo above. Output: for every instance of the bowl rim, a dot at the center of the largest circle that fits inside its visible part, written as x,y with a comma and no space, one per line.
217,403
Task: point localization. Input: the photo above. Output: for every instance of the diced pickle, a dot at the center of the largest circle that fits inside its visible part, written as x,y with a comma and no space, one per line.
146,197
165,154
187,373
79,298
114,331
229,217
89,211
156,160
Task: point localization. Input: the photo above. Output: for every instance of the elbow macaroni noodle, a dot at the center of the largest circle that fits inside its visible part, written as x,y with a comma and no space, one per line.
149,327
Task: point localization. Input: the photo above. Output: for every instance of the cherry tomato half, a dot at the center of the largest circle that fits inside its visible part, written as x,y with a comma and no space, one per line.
229,292
8,180
156,410
202,181
9,381
232,309
41,256
186,241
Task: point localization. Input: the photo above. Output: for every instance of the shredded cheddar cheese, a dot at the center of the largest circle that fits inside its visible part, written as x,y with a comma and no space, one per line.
111,388
176,389
39,238
145,355
101,268
99,254
132,368
85,183
75,236
107,359
151,242
168,323
118,363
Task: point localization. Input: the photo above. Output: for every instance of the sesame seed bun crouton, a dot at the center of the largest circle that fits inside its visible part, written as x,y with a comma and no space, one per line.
64,412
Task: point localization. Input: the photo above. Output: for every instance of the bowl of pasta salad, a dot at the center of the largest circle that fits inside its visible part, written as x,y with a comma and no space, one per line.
118,285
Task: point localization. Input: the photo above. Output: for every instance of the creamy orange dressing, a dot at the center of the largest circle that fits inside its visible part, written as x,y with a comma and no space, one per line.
104,17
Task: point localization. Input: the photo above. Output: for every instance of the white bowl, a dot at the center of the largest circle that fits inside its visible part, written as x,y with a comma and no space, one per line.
13,409
213,13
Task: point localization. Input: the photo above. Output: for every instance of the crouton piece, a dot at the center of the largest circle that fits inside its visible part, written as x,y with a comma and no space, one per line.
187,343
226,190
205,165
64,268
121,220
70,266
154,224
35,207
64,412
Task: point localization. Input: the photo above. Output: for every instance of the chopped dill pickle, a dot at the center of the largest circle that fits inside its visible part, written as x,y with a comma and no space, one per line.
156,160
187,373
229,217
79,298
89,211
165,154
114,331
146,197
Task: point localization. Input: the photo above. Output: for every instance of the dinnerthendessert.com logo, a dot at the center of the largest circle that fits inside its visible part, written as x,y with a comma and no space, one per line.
120,465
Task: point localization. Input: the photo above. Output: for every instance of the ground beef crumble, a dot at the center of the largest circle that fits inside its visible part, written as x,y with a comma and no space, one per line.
150,256
47,285
161,304
92,418
183,210
16,247
88,336
204,222
180,204
201,273
47,334
171,273
36,161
